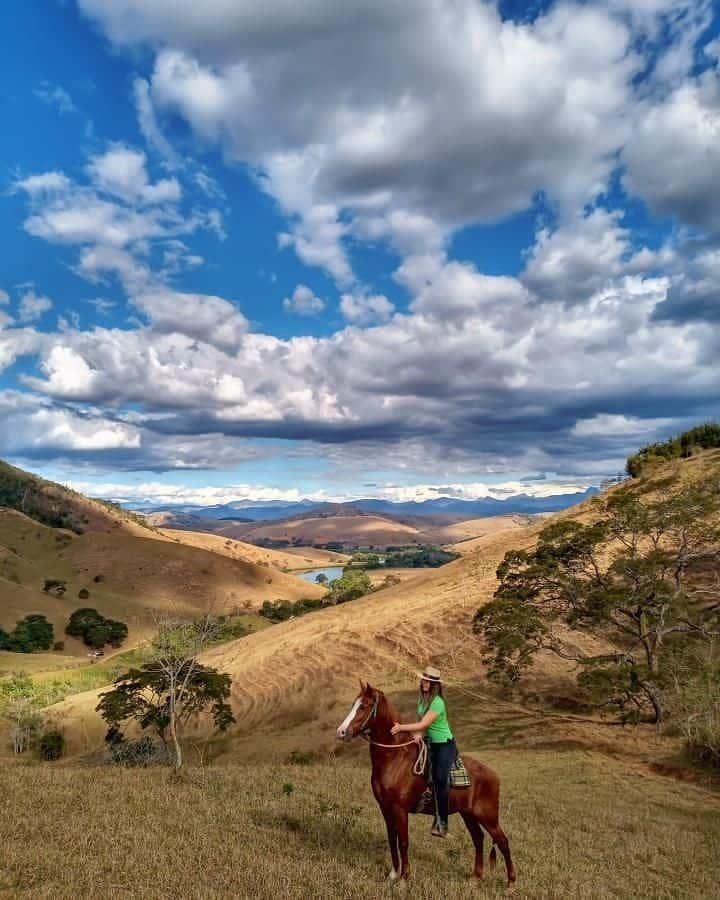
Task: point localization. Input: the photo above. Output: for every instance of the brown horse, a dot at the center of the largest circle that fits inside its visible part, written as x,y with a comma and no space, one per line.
398,789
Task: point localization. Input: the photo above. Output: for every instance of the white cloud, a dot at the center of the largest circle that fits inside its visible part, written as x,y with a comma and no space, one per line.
33,306
303,302
363,309
122,172
606,425
149,124
210,319
47,183
4,298
673,155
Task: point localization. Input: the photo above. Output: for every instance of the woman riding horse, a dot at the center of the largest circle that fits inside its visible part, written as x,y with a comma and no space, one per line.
398,787
443,750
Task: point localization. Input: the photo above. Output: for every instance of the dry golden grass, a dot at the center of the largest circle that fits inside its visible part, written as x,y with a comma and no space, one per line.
290,560
580,826
464,537
141,571
359,530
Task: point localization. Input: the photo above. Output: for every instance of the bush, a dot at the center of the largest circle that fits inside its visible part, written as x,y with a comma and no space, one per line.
137,754
54,586
32,633
95,630
51,745
83,594
59,646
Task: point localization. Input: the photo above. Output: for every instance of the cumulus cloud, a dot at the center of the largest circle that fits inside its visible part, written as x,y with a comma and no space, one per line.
211,319
303,302
364,309
500,109
122,171
673,154
367,124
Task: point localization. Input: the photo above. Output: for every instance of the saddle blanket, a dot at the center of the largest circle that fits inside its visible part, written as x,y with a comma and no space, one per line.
459,778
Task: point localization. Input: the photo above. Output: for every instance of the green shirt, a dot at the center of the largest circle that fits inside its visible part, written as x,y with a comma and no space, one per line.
439,731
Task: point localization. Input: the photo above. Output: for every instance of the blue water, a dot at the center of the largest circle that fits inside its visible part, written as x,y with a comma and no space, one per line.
330,572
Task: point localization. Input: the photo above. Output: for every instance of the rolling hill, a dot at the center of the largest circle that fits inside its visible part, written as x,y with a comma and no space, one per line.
127,568
280,674
354,529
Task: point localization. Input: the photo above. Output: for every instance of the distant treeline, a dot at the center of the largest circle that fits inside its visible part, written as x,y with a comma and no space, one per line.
704,437
405,558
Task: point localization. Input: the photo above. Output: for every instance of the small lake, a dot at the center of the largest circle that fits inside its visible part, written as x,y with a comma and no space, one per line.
330,572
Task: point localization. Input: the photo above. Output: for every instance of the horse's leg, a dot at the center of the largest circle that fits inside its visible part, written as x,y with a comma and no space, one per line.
401,820
392,834
501,841
476,833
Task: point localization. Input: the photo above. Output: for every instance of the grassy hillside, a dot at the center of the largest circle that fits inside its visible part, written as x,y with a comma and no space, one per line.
130,571
284,560
579,826
353,529
683,446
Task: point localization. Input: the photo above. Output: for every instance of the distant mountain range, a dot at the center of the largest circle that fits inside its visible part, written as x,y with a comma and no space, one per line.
272,511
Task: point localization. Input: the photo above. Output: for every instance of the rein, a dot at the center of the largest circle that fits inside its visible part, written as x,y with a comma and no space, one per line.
421,761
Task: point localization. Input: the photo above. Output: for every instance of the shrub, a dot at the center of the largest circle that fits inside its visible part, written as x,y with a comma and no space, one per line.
95,630
34,632
51,745
54,586
98,579
140,753
83,594
59,646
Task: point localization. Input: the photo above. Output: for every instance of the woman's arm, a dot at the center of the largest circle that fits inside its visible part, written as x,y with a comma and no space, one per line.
420,726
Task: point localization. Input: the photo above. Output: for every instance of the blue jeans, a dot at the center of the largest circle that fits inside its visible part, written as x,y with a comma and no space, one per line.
442,757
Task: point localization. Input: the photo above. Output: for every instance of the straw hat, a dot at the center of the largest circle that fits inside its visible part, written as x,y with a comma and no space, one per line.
430,674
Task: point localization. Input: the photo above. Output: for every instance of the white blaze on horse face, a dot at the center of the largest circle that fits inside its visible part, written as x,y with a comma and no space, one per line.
343,727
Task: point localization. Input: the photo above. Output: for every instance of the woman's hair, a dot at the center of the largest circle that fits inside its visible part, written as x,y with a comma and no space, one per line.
435,691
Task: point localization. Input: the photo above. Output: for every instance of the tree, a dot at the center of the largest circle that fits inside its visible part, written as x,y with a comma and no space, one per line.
32,633
321,578
95,629
354,583
25,722
167,692
624,579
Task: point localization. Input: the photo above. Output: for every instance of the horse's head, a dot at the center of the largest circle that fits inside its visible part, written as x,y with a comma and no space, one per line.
361,713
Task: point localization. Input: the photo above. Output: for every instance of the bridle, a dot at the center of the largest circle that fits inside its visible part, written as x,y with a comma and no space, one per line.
365,727
364,732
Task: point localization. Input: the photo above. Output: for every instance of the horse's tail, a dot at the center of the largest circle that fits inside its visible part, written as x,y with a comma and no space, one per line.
493,856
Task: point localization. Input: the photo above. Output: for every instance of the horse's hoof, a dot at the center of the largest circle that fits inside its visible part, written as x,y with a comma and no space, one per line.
392,875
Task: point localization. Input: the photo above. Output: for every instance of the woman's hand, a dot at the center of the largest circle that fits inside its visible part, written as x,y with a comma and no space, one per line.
396,729
418,737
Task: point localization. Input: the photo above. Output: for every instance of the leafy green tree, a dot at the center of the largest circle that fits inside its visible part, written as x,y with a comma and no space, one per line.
32,633
95,630
51,745
624,580
354,583
167,692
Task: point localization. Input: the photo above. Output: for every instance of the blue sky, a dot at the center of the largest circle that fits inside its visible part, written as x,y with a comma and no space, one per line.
325,250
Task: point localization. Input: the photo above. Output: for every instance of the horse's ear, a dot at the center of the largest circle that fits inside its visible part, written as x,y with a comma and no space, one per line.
369,689
363,686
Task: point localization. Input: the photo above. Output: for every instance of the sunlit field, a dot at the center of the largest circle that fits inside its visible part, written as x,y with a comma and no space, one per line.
580,825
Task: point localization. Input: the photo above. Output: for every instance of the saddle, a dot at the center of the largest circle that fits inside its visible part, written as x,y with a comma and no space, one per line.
459,778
